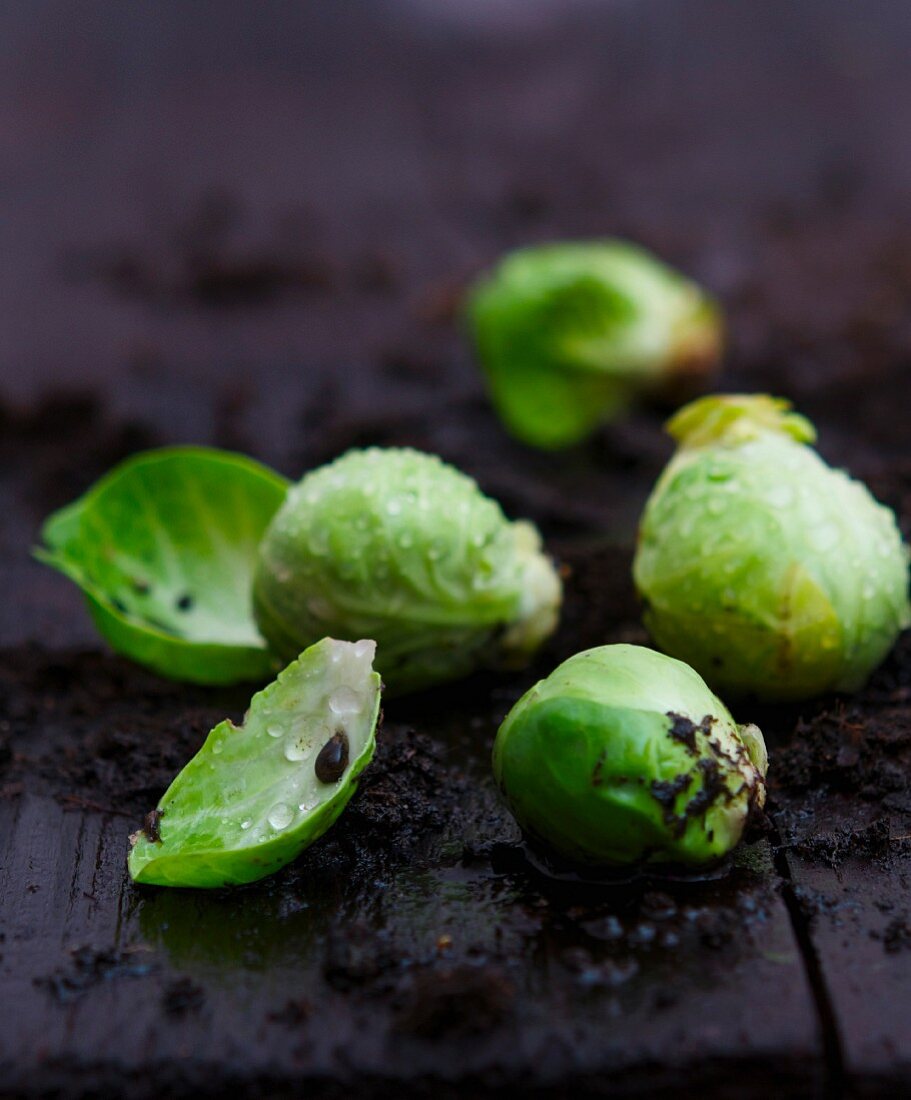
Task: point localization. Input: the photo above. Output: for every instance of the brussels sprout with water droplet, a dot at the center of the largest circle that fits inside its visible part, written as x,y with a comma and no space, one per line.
764,568
255,796
568,334
396,545
622,756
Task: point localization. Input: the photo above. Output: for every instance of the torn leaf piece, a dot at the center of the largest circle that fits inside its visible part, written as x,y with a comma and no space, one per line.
255,796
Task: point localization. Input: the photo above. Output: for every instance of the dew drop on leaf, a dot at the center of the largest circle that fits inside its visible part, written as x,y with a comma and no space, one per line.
345,700
294,749
280,816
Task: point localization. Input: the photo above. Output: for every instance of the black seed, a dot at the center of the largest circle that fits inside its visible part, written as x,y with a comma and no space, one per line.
141,587
332,759
184,602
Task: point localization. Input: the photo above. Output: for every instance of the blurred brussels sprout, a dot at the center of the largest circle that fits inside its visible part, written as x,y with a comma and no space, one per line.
568,334
623,755
768,571
398,546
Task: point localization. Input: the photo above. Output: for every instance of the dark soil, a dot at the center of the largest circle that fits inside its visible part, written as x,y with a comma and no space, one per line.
254,229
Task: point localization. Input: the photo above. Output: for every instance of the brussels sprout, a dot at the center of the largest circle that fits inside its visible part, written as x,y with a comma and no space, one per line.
255,796
768,571
623,755
163,548
568,334
398,546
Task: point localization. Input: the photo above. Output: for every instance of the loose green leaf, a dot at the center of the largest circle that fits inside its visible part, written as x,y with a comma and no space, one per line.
568,334
396,545
623,755
163,547
768,571
255,796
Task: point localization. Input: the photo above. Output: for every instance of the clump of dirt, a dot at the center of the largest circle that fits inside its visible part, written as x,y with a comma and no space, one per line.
849,748
400,793
873,841
88,728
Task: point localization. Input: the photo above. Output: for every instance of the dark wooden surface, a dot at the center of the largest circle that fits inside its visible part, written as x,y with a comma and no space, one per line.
248,225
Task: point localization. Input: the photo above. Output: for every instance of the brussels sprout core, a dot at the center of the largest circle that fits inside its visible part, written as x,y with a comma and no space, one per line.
768,571
398,546
568,334
623,755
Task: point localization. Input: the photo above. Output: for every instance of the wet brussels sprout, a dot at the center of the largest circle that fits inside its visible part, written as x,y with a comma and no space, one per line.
623,755
255,796
769,572
395,545
567,334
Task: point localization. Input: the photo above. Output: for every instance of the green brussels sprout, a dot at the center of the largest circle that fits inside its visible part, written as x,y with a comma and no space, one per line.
395,545
568,334
766,570
622,756
255,796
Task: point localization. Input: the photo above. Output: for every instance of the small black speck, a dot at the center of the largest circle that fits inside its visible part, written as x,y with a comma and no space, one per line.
119,605
141,587
185,602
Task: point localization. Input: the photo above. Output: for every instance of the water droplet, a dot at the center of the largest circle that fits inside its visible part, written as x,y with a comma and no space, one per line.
715,506
394,507
295,749
275,731
246,824
406,541
868,591
280,816
218,745
345,700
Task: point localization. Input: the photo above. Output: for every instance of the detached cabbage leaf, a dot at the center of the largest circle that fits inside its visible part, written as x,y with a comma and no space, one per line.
163,548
